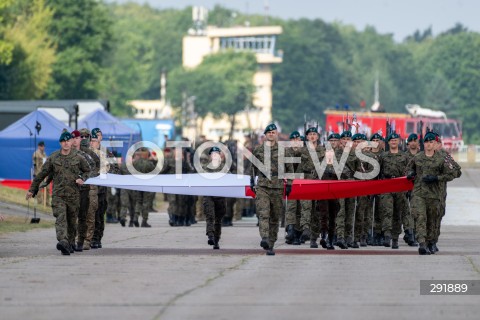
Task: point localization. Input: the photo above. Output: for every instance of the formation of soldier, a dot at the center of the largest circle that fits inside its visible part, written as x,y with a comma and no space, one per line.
376,220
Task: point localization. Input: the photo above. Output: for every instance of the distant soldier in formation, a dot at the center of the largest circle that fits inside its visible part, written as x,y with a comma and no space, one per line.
293,212
68,170
38,159
143,198
269,189
214,207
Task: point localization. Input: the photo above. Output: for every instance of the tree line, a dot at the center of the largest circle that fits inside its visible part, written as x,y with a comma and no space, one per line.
88,49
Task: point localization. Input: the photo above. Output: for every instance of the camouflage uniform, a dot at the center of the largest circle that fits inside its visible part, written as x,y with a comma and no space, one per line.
393,206
427,196
91,158
38,159
293,213
65,170
456,171
363,215
269,193
143,198
215,210
328,211
310,216
102,201
345,216
376,213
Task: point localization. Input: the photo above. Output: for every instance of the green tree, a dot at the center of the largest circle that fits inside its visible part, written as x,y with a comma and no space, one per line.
222,84
25,74
82,32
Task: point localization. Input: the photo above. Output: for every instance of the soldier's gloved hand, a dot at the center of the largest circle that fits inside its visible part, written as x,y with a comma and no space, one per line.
252,185
411,176
387,176
430,179
288,189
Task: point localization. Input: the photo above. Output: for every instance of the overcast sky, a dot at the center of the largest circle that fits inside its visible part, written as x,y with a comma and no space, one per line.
400,17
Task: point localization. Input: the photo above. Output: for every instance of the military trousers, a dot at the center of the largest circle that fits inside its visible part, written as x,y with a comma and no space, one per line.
345,216
268,204
363,217
100,217
214,209
65,211
82,215
441,214
328,213
293,214
394,210
127,198
92,211
425,213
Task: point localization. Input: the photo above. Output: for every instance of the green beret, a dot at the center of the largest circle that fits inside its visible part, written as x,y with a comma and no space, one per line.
357,136
412,136
95,131
333,136
302,138
376,135
346,134
94,135
214,149
294,135
393,135
311,129
65,136
270,127
430,136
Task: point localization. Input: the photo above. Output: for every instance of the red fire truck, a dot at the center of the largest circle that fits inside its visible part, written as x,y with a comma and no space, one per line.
404,124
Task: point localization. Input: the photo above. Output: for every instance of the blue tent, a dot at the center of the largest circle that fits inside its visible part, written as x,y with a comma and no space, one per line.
112,130
19,141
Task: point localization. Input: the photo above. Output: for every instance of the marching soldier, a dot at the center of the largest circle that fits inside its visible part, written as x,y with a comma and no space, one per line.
39,158
393,205
214,207
269,189
428,170
293,212
310,216
376,232
68,171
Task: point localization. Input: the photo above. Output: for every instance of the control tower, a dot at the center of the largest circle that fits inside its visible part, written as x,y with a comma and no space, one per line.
207,40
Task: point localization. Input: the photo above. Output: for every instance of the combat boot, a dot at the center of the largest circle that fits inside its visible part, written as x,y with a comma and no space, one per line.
86,245
215,243
187,221
264,244
122,222
323,242
135,223
330,245
422,250
305,235
99,245
431,248
313,243
351,243
435,247
414,243
145,224
270,251
79,247
64,248
290,234
130,224
211,240
395,244
94,245
386,241
363,241
71,248
296,238
341,243
370,239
